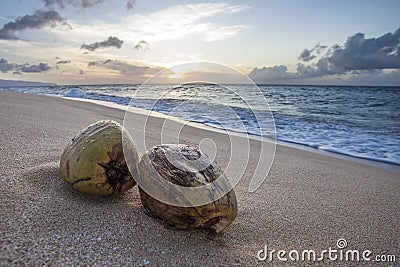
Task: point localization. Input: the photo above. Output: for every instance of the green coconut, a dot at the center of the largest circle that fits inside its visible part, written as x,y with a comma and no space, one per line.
94,162
216,215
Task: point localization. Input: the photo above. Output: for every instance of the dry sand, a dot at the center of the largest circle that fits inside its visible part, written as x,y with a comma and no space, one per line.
308,201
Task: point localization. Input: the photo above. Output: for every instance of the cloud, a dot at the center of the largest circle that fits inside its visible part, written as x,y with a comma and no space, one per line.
95,63
357,56
357,53
75,3
166,25
195,21
130,4
38,20
189,23
79,4
281,75
63,62
309,54
41,67
112,41
379,78
19,68
5,66
142,45
126,68
275,73
306,55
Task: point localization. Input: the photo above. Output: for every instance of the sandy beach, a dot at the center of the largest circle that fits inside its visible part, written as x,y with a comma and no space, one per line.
308,202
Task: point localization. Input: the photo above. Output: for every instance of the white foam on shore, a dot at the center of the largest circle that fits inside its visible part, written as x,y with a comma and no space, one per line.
324,134
370,162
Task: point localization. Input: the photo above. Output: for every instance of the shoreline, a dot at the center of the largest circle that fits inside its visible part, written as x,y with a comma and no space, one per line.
367,161
307,201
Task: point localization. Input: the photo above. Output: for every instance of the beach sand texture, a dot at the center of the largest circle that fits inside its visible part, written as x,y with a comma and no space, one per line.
308,201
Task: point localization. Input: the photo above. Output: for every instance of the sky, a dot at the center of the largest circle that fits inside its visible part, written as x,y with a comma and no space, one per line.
274,42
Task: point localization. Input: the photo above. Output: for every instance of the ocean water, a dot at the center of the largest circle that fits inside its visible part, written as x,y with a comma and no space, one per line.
357,121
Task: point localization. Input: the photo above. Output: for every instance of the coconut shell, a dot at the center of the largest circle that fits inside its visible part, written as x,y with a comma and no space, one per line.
199,171
94,162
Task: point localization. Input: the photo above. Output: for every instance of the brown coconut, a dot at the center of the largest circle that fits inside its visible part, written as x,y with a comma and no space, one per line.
216,215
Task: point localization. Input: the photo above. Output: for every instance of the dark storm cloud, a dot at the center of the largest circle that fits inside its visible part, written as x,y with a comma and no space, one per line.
38,20
63,62
142,45
5,67
357,56
75,3
112,41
